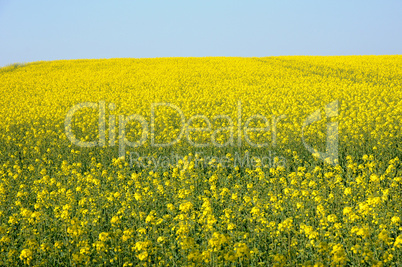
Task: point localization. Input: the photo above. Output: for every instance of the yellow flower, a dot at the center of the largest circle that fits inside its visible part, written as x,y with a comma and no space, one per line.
347,210
255,211
115,219
241,250
170,207
348,191
217,240
395,220
374,178
339,255
186,207
384,236
26,256
103,236
286,224
231,226
398,241
142,256
332,218
58,244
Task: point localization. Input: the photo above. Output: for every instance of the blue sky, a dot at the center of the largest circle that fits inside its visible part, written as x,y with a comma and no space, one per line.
50,30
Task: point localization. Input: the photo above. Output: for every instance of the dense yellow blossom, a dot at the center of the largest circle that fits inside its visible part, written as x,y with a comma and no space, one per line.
276,161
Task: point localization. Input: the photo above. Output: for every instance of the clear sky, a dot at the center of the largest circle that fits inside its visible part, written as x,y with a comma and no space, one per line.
32,30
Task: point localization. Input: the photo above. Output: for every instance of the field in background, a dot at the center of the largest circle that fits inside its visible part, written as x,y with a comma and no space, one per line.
232,201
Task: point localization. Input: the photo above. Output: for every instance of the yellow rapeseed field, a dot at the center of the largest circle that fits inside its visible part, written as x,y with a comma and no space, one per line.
276,161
